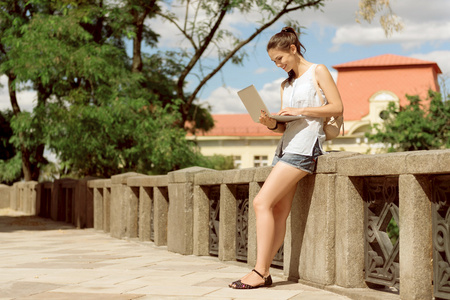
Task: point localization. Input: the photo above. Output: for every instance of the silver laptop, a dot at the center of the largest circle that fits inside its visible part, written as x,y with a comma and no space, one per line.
254,104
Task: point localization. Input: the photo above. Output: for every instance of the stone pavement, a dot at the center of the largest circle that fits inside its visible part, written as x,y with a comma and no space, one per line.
42,259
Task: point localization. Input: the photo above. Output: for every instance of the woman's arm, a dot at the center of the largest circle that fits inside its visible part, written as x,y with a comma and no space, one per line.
334,106
271,123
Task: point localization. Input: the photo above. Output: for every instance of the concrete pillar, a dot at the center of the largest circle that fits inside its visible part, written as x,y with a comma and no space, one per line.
97,188
201,220
84,204
54,203
120,205
317,256
227,226
349,232
89,208
145,211
107,206
295,229
30,197
415,237
160,214
181,213
254,188
4,196
98,208
13,196
132,206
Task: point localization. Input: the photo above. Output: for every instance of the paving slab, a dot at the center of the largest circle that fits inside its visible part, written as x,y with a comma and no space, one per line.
43,259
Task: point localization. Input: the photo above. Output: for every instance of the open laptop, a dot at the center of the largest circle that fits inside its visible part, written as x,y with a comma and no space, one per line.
254,104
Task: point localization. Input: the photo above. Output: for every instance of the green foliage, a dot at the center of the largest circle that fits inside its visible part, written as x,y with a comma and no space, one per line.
218,162
11,170
93,112
393,231
7,149
10,159
415,127
125,135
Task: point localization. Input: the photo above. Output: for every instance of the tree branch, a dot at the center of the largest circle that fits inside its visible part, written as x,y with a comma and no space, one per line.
171,20
198,54
284,11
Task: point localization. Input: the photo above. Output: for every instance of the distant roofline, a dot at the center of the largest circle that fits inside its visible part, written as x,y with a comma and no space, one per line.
385,60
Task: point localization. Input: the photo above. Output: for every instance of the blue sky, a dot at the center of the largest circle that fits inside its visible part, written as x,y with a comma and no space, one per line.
331,37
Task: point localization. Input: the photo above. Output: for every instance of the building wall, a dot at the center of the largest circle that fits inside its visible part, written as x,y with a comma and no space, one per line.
243,149
358,85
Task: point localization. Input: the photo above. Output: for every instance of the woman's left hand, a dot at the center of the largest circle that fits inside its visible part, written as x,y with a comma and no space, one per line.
290,111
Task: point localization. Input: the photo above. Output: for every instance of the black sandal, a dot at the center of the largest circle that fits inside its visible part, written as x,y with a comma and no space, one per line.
241,286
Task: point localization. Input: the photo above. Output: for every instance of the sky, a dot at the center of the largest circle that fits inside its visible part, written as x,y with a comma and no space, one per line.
331,37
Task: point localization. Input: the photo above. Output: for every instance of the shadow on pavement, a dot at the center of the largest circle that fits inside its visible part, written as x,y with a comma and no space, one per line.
11,221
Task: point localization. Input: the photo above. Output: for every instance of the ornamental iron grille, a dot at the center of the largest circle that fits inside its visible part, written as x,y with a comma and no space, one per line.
214,219
441,235
381,220
242,192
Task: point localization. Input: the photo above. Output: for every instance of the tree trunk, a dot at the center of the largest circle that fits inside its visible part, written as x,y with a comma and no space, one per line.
26,165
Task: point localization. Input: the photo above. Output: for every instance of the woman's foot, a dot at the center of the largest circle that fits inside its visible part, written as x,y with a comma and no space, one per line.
251,281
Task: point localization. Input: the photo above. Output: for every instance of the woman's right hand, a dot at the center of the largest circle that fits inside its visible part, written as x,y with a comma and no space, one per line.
266,120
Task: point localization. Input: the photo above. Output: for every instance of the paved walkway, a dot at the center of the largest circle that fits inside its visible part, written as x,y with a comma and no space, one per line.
42,259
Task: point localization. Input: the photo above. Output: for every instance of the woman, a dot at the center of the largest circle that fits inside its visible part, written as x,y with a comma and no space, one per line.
297,151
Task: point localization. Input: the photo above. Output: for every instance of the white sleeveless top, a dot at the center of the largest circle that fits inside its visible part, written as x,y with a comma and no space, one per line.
301,135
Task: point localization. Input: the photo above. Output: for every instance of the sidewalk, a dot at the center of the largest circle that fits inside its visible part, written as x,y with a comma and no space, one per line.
42,259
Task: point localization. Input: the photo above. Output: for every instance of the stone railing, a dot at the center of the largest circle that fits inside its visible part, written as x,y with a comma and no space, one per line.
339,232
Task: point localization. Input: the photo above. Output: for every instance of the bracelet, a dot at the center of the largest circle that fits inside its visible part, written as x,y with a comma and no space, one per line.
276,126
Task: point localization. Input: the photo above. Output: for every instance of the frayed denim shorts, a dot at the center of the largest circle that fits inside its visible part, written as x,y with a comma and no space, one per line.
303,162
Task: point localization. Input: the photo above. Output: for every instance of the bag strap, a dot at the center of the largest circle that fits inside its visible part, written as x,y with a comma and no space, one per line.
316,85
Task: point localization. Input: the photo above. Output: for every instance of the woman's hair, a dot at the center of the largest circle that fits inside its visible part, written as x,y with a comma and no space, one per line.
283,41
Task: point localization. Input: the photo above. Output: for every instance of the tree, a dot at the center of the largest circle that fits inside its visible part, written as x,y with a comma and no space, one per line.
98,115
13,15
415,127
203,30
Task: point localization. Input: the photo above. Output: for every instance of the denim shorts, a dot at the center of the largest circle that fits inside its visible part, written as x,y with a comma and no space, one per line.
303,162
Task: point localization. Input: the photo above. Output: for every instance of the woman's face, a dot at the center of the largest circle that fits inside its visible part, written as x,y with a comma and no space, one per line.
283,59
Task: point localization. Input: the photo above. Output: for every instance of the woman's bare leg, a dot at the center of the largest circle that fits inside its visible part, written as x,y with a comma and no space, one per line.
272,206
281,213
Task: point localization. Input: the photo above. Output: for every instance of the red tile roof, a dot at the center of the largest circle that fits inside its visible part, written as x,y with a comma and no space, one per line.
387,60
237,125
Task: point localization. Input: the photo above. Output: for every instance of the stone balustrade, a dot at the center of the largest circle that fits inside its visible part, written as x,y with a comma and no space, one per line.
338,232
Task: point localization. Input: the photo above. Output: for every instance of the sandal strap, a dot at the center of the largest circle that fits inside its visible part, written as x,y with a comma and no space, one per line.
258,274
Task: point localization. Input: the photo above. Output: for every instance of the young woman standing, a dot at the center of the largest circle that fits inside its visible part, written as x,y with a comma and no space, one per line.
297,151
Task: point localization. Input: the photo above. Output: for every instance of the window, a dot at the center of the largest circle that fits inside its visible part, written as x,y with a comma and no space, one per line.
260,161
237,161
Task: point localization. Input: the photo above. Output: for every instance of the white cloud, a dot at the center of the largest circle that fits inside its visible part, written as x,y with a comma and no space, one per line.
26,98
413,34
442,58
260,70
225,100
270,93
423,22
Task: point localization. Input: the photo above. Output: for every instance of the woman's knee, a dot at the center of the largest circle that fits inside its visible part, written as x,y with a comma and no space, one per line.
260,203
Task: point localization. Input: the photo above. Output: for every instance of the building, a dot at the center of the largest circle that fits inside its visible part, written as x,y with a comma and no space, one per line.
366,87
